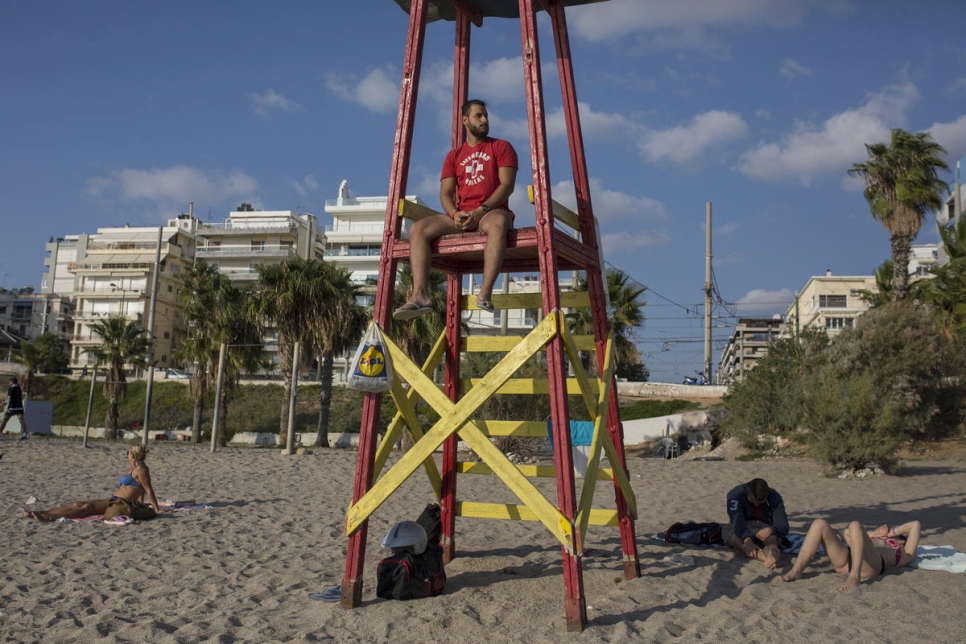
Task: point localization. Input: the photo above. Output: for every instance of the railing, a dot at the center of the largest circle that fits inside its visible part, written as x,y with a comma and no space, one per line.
243,227
357,201
122,245
356,228
285,251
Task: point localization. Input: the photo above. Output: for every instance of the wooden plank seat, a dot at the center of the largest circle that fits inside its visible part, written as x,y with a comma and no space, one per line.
463,252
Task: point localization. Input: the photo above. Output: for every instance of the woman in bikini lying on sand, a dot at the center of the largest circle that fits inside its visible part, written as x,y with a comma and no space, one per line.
860,554
134,484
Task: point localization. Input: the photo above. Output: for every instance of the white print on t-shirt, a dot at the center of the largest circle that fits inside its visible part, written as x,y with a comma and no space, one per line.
473,167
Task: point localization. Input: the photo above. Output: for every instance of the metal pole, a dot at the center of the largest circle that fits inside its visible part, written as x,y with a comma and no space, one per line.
222,355
290,437
707,296
90,405
151,338
798,328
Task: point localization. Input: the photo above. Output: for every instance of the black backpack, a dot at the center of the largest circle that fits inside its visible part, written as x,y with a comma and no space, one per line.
694,533
404,575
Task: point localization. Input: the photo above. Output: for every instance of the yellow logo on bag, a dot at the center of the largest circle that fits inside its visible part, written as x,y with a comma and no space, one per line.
372,362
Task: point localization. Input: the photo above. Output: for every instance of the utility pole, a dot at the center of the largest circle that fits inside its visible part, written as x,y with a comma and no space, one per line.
957,212
707,296
151,336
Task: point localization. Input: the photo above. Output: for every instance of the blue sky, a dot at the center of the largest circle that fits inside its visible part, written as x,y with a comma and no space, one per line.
118,112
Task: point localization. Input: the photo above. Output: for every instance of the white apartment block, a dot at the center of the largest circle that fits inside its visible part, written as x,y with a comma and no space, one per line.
114,275
27,315
252,237
829,302
747,345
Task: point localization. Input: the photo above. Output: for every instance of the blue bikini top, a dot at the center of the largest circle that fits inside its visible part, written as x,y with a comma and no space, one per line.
128,480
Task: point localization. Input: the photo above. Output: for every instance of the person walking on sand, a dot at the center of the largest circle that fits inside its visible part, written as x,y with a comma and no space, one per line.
14,408
859,554
758,520
477,180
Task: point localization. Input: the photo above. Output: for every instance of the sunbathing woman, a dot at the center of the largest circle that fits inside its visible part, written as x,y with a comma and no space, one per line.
859,554
129,495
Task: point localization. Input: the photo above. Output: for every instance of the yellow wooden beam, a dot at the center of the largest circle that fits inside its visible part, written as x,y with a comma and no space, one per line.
580,375
414,211
405,405
514,512
452,417
532,471
530,386
568,300
398,421
560,211
504,343
535,428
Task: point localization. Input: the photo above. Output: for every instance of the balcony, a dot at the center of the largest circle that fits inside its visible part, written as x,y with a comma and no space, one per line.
219,252
246,228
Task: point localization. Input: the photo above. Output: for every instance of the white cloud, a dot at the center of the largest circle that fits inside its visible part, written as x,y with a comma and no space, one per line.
761,303
611,205
376,91
834,145
271,100
791,69
615,243
172,188
688,20
951,136
725,230
956,85
685,144
304,186
595,126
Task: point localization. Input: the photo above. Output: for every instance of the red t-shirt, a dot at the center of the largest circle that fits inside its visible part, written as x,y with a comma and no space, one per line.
477,171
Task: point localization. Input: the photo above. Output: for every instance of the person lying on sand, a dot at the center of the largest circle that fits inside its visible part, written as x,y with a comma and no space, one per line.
859,554
758,521
127,499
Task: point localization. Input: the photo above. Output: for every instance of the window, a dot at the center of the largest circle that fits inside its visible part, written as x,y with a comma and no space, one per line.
170,288
839,323
833,301
258,245
167,335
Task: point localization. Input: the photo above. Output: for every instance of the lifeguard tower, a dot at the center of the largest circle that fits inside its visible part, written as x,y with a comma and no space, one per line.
562,240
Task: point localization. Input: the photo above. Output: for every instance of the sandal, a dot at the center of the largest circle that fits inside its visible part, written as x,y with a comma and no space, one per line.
484,304
411,310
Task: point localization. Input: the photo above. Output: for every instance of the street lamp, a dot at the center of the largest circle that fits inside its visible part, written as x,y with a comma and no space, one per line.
115,288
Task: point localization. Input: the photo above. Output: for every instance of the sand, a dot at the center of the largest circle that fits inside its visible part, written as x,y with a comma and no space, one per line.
242,571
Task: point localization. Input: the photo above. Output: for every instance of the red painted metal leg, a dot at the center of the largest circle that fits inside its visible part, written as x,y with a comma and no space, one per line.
596,281
454,292
574,603
368,429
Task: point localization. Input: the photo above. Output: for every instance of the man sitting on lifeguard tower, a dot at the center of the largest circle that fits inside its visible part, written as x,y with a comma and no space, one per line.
477,180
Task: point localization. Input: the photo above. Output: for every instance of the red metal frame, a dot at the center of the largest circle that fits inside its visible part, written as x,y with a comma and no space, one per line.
368,432
462,254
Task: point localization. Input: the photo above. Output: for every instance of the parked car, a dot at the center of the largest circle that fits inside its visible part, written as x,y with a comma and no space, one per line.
174,374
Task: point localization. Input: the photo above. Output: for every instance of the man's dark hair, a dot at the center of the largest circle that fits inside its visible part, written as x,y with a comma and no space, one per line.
468,104
758,489
13,379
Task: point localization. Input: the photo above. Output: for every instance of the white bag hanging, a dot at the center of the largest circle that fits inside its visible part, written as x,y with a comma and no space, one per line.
371,370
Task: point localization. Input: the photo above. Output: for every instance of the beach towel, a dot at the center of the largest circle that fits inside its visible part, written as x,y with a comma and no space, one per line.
939,558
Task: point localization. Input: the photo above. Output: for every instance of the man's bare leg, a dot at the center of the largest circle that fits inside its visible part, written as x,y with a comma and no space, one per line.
421,235
495,225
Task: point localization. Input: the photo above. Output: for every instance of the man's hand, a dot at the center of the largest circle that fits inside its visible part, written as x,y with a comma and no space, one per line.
751,548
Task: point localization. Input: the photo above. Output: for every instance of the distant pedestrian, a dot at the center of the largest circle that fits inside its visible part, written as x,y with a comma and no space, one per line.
14,408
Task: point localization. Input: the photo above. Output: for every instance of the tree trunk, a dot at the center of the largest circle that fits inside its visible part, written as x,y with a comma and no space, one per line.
196,420
223,418
325,401
900,265
110,420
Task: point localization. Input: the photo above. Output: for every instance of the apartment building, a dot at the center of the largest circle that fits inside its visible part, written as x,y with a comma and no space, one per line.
27,315
252,237
747,345
114,275
829,302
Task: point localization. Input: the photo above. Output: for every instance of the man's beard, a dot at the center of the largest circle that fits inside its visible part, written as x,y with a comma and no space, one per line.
479,131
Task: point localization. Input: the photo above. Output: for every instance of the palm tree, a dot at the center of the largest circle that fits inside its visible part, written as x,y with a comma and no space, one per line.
884,282
342,325
902,185
123,342
216,311
946,290
624,317
293,298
